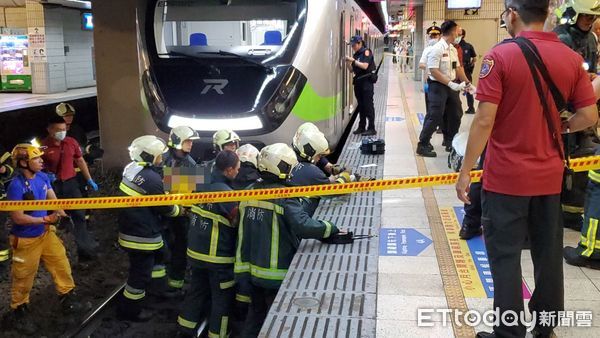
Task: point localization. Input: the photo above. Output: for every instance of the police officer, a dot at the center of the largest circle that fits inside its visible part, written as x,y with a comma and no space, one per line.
140,227
256,260
444,67
587,252
178,156
469,56
211,251
362,65
310,145
248,174
579,37
6,173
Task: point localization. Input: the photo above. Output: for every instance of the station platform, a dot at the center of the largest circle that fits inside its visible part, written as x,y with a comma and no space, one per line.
15,101
376,287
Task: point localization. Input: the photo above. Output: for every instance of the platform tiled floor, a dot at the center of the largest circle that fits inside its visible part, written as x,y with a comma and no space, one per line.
407,283
14,101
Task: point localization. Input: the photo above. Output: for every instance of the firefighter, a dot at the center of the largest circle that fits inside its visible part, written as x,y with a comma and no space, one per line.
140,227
576,33
248,174
211,251
33,239
180,145
226,139
587,252
310,145
6,172
269,234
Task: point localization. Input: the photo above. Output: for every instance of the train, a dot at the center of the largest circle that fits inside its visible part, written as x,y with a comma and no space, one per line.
258,67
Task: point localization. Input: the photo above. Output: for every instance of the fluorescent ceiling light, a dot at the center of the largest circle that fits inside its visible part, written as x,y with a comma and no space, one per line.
243,123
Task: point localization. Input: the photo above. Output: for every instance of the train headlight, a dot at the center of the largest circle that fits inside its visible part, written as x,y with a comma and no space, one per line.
285,97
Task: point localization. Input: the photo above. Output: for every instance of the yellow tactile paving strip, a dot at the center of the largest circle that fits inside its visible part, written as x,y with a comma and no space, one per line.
452,284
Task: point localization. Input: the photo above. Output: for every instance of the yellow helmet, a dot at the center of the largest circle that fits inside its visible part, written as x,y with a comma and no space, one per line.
224,136
26,152
64,109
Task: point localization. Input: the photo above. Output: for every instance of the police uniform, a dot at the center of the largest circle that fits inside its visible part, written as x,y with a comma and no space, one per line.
442,99
268,236
4,178
140,235
468,53
178,227
363,89
211,251
574,191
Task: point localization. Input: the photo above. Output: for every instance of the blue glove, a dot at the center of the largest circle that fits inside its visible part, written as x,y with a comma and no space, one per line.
426,88
92,184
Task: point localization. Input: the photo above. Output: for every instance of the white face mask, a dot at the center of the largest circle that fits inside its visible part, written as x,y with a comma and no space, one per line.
458,39
60,135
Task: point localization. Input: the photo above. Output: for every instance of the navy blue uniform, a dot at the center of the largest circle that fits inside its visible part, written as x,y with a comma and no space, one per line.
363,89
306,173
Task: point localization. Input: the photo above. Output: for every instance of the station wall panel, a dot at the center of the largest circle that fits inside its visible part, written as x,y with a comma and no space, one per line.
78,49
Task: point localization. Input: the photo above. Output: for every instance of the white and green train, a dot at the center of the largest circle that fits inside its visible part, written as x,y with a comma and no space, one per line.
259,67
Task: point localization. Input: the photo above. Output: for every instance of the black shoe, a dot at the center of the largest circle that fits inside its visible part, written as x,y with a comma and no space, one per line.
575,224
20,320
70,305
358,131
168,293
424,151
448,149
467,233
470,111
429,146
143,316
369,132
485,335
572,257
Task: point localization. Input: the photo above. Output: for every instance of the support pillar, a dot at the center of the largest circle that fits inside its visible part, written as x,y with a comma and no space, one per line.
418,43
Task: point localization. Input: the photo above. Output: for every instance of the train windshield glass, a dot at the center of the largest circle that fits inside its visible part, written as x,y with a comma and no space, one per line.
253,29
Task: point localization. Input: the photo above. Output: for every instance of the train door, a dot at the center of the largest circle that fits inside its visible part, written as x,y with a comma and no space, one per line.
343,78
349,88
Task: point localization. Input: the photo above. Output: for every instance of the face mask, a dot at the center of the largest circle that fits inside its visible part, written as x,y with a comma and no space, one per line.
458,39
60,135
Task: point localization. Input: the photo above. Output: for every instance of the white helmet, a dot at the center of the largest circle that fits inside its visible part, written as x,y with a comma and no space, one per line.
248,153
307,126
64,109
224,136
278,159
147,148
310,142
180,134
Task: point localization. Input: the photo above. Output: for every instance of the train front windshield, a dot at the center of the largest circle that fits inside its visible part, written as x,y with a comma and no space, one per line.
251,29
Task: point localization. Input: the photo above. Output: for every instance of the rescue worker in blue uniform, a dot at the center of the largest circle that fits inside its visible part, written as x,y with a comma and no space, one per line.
587,252
362,64
577,34
6,173
310,145
140,228
248,175
211,251
180,145
269,234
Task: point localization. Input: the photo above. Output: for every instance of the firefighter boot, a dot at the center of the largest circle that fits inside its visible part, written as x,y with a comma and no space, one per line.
70,305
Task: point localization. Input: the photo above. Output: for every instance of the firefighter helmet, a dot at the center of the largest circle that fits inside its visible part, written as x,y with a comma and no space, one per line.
309,143
64,109
278,159
248,153
224,136
570,9
147,148
180,134
26,152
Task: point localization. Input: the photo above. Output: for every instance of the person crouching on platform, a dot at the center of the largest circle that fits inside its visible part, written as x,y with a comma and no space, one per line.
33,238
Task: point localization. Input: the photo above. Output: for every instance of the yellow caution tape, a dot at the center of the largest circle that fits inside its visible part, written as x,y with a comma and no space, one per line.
580,164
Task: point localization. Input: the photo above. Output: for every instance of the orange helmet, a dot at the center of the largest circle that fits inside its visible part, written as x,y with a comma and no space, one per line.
25,151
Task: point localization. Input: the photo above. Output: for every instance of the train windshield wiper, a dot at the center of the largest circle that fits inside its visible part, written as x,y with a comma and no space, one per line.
240,57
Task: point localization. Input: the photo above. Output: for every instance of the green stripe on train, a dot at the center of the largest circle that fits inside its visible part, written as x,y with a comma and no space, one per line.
313,107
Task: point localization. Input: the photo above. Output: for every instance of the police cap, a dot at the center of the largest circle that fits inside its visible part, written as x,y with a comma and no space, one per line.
434,30
356,39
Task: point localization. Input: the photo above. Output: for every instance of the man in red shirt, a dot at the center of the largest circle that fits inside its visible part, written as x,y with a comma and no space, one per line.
60,154
523,168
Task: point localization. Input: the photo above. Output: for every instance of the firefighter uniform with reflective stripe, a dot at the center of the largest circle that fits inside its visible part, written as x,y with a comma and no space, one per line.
211,252
589,243
140,235
178,226
268,236
4,178
306,173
